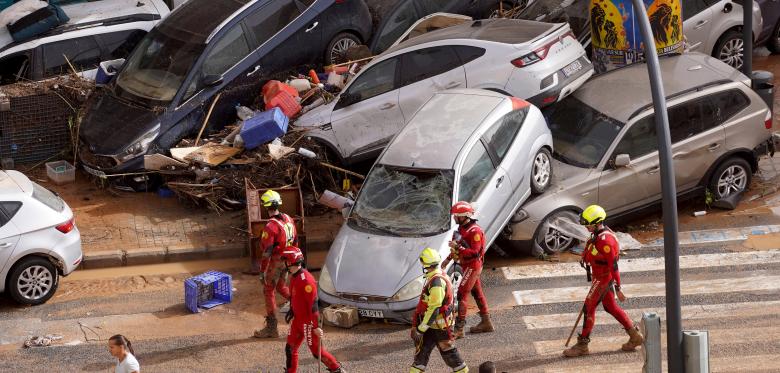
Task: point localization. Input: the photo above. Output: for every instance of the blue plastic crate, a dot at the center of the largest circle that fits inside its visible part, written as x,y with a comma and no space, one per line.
207,290
264,127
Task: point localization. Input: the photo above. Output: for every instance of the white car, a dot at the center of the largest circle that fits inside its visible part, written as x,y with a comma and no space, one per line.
539,62
462,145
97,31
39,240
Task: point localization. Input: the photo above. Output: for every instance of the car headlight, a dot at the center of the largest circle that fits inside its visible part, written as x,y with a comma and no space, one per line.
410,290
141,145
326,284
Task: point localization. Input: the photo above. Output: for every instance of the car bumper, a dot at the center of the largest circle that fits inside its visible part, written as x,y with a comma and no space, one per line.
566,84
133,165
767,147
390,310
68,252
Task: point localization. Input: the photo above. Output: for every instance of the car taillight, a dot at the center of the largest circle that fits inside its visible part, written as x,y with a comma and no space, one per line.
340,1
67,226
540,53
518,103
768,120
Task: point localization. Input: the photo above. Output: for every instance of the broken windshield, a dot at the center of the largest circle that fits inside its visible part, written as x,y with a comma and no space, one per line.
581,134
157,68
403,202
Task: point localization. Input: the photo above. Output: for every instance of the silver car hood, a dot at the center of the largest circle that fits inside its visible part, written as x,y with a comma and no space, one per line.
371,264
317,116
566,176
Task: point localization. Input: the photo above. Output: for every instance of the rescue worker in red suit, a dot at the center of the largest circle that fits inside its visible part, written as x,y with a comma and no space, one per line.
432,320
304,315
468,249
278,234
601,253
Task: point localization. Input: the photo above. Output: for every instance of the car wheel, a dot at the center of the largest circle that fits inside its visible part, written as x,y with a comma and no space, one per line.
541,171
774,41
33,280
337,48
551,240
731,177
730,49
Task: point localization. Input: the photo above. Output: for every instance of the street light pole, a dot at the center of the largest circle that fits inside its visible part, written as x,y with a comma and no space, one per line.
669,194
747,37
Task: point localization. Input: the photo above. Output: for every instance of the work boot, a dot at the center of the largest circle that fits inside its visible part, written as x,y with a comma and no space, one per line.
484,326
270,330
340,369
460,324
635,339
580,349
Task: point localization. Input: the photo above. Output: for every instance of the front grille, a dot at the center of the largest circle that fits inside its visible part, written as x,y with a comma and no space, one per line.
99,161
363,298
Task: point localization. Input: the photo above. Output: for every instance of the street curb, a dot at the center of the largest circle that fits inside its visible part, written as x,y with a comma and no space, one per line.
172,254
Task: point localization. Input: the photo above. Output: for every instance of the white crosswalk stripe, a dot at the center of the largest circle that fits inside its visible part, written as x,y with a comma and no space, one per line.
717,365
628,265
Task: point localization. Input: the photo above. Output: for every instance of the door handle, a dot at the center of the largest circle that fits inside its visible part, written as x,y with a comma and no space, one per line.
257,68
5,245
701,24
387,106
654,170
499,181
451,85
713,147
680,155
312,27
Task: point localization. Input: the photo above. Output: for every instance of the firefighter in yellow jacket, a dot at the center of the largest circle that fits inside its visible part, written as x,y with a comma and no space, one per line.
432,321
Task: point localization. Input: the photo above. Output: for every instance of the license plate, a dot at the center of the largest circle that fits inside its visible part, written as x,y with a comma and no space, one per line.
94,172
371,313
572,68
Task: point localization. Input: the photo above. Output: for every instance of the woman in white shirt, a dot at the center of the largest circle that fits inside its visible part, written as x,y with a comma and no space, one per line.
120,348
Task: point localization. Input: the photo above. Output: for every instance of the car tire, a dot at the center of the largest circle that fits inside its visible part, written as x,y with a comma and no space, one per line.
774,41
33,281
729,49
541,171
732,176
338,46
553,241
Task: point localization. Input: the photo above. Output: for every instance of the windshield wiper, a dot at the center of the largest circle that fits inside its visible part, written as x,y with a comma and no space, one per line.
570,161
365,223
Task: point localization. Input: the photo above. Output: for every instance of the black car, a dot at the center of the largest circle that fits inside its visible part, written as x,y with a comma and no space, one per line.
393,17
202,48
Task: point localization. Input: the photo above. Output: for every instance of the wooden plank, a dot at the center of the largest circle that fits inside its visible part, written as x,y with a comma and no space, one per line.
180,153
213,154
156,162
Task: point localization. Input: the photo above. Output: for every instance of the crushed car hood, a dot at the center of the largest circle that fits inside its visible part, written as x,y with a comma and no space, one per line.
370,264
111,125
317,116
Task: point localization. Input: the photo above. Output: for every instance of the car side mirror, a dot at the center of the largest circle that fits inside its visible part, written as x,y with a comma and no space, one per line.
622,160
211,80
728,8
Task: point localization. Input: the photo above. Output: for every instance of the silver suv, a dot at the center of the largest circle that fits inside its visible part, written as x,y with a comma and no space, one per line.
606,148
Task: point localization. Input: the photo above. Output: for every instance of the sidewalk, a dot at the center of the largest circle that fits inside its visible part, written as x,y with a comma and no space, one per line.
123,229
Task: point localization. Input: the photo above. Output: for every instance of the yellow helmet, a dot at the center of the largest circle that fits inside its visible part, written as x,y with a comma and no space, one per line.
593,214
430,257
271,199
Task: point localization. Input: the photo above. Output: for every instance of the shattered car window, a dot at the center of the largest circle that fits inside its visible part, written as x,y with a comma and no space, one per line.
581,134
404,202
158,67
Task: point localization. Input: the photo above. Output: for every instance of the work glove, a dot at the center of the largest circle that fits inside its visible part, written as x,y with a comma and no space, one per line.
416,336
289,316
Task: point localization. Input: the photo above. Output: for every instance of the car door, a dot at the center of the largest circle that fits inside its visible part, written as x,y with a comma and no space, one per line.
626,188
367,114
697,23
9,233
425,72
698,140
61,57
486,184
511,154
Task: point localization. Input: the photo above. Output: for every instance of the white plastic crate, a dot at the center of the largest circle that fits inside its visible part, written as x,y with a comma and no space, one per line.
60,172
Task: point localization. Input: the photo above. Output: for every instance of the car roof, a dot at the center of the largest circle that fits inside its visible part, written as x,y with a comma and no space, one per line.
680,73
435,135
93,14
13,183
499,30
195,20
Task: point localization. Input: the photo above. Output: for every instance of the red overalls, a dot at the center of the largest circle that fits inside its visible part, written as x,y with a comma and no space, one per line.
471,256
303,303
602,252
278,234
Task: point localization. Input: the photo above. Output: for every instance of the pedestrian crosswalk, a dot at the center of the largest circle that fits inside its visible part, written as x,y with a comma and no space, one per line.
735,297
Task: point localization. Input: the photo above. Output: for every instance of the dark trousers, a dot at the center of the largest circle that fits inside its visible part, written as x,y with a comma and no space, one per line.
438,338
